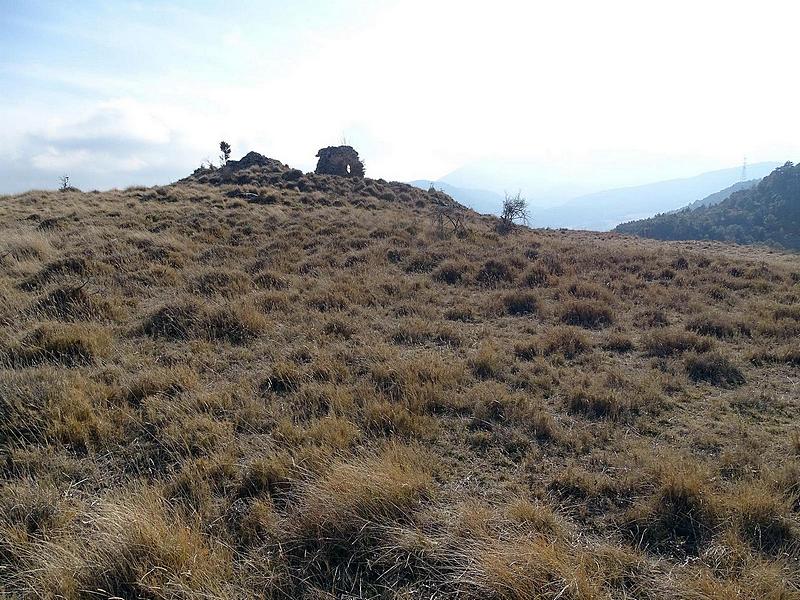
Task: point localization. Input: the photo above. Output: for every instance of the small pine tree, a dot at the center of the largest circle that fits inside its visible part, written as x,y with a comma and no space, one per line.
225,149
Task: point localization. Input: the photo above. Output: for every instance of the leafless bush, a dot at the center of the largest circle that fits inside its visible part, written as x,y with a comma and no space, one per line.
515,208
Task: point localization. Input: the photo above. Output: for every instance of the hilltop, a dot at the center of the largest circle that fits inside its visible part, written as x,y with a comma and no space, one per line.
258,382
767,213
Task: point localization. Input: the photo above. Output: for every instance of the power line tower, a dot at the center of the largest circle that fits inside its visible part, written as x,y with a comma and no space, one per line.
744,169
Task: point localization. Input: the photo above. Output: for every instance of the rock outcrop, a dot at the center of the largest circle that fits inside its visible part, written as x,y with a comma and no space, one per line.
254,159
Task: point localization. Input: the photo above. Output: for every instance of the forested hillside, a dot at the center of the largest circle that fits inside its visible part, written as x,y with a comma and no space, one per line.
768,214
721,195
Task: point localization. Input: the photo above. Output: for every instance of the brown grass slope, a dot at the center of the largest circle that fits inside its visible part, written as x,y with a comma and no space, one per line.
268,384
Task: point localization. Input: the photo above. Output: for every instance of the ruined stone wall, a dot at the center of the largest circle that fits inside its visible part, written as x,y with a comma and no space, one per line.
339,160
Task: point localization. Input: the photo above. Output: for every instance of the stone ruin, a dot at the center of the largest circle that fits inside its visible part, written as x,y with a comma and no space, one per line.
339,160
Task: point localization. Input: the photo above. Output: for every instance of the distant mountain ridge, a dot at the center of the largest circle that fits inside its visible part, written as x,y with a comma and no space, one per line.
768,213
549,179
602,211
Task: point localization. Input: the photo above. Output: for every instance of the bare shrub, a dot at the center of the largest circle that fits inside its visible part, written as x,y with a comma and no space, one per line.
515,208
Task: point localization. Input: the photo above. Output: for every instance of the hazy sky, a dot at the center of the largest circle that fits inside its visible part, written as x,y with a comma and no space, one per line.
117,93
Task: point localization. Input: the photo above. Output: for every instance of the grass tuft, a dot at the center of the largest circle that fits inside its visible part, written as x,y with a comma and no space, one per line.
669,342
68,345
714,368
681,515
521,303
74,304
590,314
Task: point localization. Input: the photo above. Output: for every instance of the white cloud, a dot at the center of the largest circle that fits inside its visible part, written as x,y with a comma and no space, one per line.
112,143
122,119
428,86
421,87
55,160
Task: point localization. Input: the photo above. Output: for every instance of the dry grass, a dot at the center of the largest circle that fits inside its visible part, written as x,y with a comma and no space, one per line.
668,342
591,314
250,385
681,515
69,345
714,368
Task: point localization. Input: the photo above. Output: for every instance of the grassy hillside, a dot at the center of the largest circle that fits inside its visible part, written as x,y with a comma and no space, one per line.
481,201
259,383
768,213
